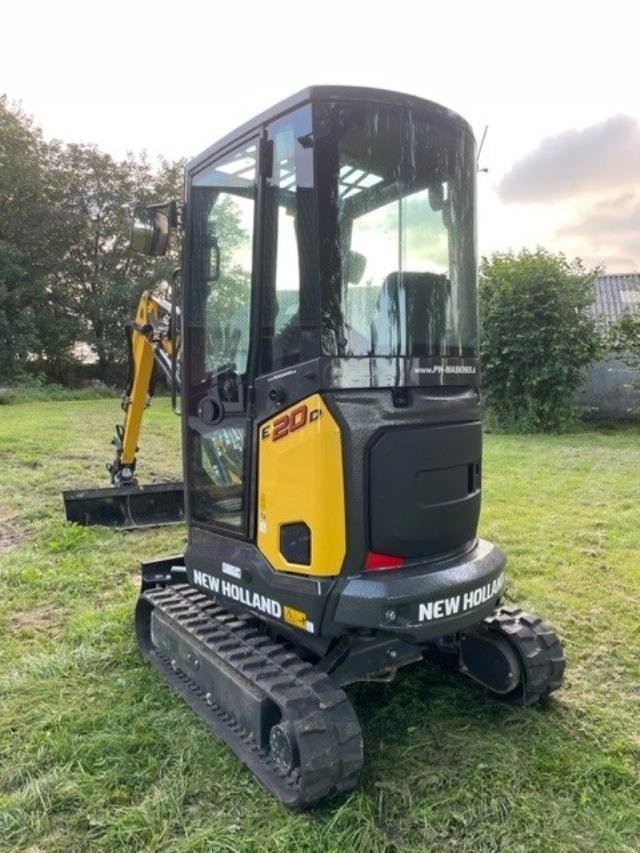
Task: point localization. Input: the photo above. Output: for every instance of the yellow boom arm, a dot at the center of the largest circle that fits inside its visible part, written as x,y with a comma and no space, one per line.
152,340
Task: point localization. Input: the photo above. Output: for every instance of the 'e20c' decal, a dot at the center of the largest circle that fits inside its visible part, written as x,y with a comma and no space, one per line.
290,422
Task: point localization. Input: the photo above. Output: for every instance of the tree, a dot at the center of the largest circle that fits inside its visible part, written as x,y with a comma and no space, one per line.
17,331
104,276
67,273
65,218
23,185
537,333
41,328
623,338
232,289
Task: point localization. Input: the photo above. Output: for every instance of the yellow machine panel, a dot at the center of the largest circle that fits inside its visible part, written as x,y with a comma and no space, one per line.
301,482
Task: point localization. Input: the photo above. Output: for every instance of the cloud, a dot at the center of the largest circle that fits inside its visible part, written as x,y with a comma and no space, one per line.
610,231
616,217
576,162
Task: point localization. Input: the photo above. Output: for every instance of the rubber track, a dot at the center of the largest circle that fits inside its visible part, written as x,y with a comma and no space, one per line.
538,648
327,730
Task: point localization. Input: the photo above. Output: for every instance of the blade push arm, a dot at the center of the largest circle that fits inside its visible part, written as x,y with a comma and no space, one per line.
151,341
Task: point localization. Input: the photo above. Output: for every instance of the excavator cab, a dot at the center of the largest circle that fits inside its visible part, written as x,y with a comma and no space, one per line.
330,248
332,435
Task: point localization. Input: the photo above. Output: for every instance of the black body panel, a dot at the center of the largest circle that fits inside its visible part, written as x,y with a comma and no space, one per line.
284,387
425,600
424,489
333,606
233,564
364,417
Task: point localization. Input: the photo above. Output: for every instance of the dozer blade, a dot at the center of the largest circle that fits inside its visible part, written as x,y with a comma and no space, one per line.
126,507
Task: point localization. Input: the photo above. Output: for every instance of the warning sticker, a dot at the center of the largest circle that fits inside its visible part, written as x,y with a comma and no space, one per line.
295,617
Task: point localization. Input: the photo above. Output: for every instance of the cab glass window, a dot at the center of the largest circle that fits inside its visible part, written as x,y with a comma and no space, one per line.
289,311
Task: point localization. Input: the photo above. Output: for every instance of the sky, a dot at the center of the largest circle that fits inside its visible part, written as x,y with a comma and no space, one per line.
556,83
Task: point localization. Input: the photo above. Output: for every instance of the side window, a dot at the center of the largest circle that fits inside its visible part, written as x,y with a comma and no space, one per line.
222,201
288,243
223,196
217,474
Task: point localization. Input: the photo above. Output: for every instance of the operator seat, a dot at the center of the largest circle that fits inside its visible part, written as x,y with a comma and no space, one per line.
411,313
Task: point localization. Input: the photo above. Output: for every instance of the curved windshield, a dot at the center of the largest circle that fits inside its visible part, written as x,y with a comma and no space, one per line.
399,228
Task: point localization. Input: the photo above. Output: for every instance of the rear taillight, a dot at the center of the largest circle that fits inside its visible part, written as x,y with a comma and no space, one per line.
376,562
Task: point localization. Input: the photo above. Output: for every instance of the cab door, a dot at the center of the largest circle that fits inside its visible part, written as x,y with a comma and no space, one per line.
220,279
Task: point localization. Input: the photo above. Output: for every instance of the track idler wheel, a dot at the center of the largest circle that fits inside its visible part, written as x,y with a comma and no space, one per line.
514,655
283,747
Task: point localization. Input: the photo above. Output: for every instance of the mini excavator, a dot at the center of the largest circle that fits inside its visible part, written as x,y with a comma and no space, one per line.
332,434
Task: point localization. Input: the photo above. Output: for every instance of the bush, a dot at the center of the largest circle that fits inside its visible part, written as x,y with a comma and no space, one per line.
537,333
35,389
623,338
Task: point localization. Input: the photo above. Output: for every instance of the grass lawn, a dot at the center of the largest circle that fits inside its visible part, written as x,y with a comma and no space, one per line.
96,753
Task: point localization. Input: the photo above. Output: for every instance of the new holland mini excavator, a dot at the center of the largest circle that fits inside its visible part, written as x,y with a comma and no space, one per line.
331,434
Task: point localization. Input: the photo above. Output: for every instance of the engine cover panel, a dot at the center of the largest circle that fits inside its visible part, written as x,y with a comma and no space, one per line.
424,489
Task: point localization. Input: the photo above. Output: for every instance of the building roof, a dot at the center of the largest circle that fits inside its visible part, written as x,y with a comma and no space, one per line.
616,294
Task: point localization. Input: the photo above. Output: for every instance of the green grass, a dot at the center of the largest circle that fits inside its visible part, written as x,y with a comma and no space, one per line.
39,392
96,753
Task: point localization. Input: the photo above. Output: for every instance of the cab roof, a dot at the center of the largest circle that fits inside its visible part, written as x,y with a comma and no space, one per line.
326,93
